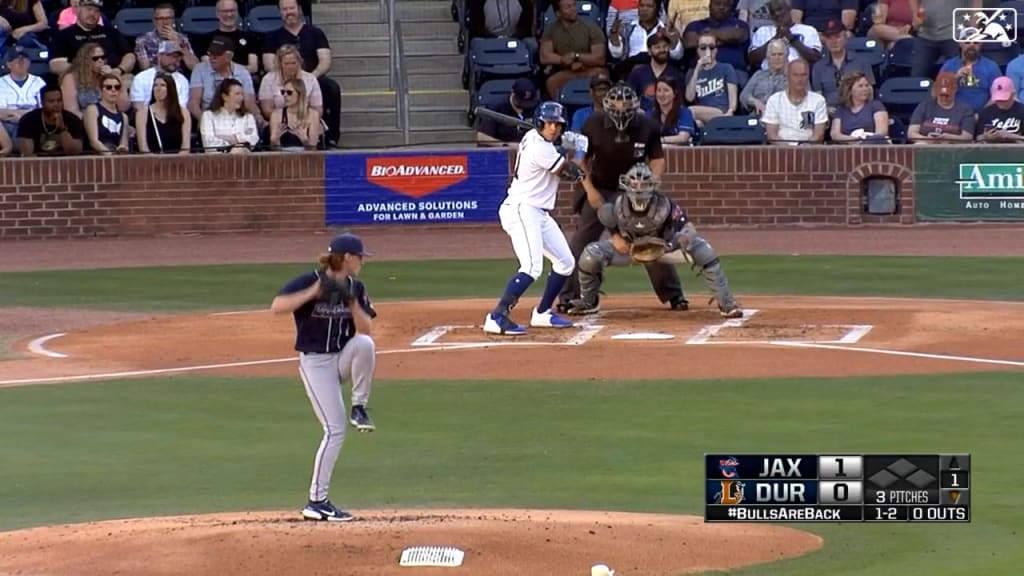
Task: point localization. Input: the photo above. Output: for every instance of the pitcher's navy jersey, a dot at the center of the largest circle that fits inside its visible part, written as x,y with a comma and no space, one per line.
319,326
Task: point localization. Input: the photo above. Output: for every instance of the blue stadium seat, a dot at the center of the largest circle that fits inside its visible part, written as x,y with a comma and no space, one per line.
576,93
490,94
742,77
585,8
869,51
498,58
263,19
199,20
897,130
134,22
901,95
1000,54
900,60
733,130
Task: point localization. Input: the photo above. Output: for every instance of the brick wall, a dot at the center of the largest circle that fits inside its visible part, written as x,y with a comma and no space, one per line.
145,195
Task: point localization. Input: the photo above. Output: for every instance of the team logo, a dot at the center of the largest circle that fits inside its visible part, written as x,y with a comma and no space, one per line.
985,25
417,176
728,467
731,494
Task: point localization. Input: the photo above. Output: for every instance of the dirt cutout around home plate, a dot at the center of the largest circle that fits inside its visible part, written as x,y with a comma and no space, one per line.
778,337
495,542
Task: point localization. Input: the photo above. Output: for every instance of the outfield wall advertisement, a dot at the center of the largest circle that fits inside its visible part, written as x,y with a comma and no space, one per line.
419,188
969,184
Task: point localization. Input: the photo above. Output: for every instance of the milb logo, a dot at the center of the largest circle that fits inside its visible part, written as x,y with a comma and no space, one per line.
417,176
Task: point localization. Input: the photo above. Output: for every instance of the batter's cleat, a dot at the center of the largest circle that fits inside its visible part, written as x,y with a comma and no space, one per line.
325,511
680,303
582,307
549,320
502,325
360,419
733,311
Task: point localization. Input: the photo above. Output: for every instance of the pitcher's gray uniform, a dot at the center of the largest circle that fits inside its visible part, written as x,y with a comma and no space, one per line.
332,351
642,211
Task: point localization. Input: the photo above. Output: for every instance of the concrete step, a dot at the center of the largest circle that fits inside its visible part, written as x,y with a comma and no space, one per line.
418,99
379,46
358,82
443,64
425,11
344,29
351,65
422,139
435,80
432,116
384,117
350,13
364,47
430,46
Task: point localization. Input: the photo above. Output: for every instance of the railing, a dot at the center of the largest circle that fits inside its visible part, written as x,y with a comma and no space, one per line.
398,79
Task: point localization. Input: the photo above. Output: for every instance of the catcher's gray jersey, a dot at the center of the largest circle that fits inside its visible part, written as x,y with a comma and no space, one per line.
662,218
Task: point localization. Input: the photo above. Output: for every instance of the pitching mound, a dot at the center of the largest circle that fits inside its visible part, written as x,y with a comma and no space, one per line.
496,543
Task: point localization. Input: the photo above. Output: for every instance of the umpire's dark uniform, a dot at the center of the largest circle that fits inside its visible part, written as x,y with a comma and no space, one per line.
607,160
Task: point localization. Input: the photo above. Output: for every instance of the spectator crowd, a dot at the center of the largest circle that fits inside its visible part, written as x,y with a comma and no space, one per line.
782,71
72,83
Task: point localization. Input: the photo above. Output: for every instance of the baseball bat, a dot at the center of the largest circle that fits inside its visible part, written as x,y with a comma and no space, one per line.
481,112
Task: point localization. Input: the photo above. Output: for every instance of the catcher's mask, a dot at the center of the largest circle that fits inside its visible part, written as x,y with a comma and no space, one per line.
638,183
621,104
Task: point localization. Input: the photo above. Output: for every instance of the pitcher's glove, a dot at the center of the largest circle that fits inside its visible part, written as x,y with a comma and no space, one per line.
647,249
333,291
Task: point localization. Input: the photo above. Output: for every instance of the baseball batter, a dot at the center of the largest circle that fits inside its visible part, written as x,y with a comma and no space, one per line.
525,217
333,326
646,226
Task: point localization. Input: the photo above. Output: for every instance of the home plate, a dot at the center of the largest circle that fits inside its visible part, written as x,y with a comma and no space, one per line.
643,336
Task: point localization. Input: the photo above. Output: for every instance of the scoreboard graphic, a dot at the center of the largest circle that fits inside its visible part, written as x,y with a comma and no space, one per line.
837,488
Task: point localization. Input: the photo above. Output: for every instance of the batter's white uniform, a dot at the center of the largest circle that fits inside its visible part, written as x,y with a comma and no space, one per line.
525,213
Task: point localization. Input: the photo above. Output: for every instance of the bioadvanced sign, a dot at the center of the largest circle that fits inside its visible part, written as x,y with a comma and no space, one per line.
417,176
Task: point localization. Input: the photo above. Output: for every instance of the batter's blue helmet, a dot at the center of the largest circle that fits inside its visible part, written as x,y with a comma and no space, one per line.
549,112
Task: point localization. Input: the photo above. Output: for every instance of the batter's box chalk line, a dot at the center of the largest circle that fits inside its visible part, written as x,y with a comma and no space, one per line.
585,333
443,556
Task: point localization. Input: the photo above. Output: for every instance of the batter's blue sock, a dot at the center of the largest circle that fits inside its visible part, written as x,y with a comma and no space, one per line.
551,290
517,286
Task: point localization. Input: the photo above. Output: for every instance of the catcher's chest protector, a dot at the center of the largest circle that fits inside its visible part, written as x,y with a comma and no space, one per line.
649,223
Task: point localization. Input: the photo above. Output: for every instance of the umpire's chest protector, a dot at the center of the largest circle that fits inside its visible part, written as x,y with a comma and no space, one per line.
635,225
612,153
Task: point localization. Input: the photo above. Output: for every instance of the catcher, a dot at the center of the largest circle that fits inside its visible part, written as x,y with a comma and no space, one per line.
646,226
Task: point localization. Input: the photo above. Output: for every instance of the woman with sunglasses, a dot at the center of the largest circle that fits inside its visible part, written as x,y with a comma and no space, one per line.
106,127
164,126
81,83
289,68
226,126
297,125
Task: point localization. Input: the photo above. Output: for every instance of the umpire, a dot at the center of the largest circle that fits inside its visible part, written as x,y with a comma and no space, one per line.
619,137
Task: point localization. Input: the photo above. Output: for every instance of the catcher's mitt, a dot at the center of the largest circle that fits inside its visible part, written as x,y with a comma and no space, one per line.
647,249
335,292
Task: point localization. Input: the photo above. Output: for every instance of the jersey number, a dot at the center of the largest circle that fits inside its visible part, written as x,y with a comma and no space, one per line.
519,156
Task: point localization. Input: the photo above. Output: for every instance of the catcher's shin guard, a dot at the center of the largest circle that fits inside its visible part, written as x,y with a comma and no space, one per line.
594,259
704,258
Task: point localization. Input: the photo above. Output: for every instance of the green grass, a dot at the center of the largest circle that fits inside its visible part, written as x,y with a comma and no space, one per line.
188,288
182,445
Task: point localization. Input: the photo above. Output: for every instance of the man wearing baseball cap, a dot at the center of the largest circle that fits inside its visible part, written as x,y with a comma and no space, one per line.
520,104
168,61
19,90
599,85
87,28
208,74
1000,121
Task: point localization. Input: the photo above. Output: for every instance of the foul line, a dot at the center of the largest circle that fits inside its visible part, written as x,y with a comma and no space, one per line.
156,371
901,353
37,346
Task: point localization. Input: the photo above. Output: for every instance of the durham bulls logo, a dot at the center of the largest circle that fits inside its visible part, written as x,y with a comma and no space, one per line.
731,494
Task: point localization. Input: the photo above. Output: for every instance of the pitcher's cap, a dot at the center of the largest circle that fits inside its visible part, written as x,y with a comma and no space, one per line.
347,244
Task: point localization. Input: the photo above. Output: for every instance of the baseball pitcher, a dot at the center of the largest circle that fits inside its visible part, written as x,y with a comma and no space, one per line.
646,226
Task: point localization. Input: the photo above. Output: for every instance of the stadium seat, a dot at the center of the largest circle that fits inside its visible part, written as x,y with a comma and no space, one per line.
490,94
900,60
742,77
576,93
134,22
733,130
897,130
869,51
199,20
1000,54
498,58
901,95
585,8
263,19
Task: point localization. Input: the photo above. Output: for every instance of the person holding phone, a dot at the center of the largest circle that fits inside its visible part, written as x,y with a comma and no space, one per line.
942,118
